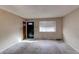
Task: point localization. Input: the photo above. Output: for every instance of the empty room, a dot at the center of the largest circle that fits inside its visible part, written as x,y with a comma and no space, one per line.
39,29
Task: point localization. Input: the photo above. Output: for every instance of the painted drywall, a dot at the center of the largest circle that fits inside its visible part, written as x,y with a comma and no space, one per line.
71,29
49,35
10,29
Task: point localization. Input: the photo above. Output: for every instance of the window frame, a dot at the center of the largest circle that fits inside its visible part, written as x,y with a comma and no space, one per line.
49,31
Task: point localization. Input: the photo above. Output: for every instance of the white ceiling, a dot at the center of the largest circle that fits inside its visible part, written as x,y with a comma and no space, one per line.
41,11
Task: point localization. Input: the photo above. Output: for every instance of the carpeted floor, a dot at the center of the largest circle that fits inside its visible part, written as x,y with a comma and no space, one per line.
40,47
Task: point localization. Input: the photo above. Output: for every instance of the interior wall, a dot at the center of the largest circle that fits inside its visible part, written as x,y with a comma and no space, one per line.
49,35
71,29
10,29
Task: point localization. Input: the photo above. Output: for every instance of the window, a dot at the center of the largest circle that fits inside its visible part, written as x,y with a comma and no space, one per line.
47,26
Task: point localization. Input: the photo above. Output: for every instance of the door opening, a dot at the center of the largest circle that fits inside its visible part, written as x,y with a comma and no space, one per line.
30,30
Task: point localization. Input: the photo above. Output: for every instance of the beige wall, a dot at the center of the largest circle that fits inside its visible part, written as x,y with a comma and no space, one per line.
49,35
71,29
10,29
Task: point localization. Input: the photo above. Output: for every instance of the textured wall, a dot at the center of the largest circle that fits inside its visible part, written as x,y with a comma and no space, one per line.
49,35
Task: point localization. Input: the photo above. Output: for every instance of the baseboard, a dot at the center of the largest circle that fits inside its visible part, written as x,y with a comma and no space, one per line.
7,47
72,47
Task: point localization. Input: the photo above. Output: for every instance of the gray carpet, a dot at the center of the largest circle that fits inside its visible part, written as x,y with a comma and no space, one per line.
40,47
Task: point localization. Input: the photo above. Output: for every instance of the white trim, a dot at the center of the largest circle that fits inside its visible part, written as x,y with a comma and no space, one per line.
6,48
72,47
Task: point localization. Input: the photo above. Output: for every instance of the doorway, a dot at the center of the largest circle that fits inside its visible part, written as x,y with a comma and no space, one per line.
30,30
